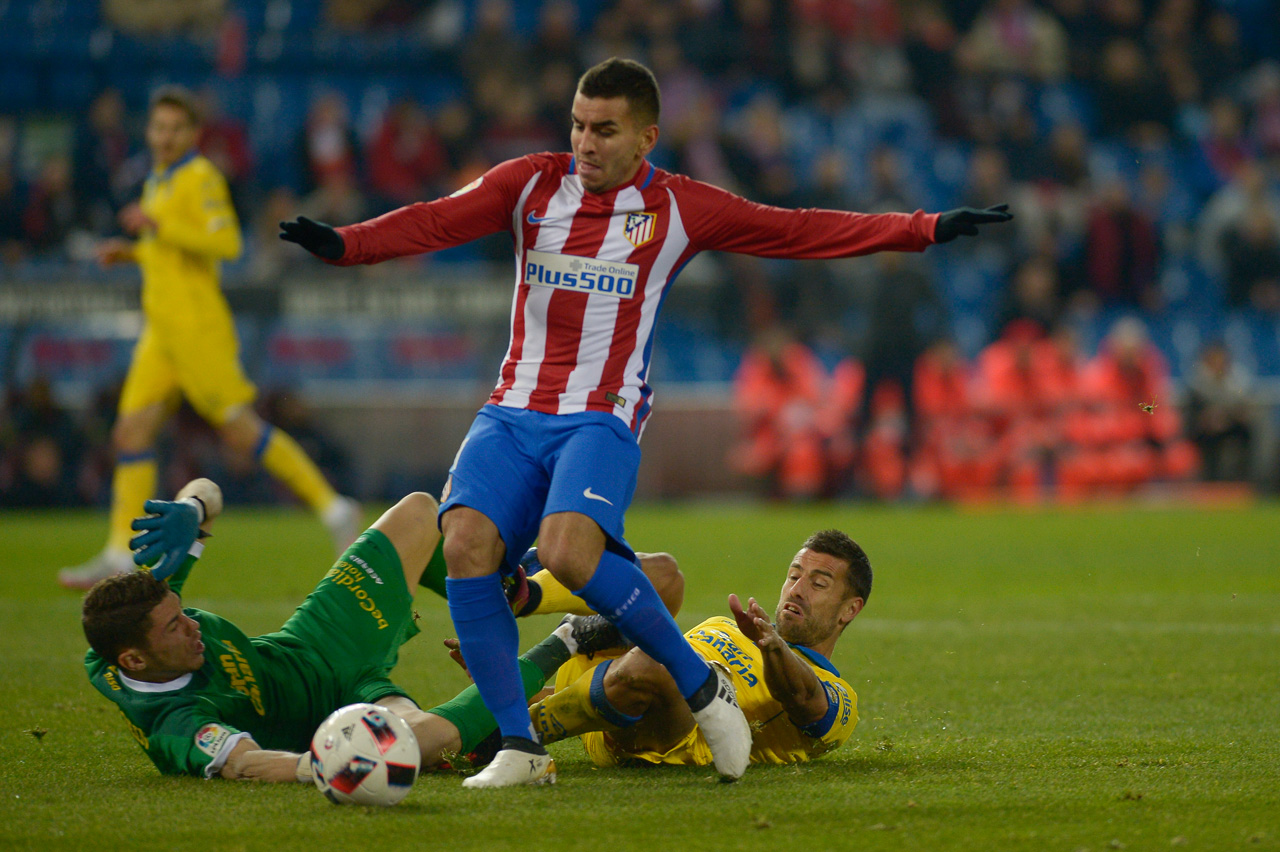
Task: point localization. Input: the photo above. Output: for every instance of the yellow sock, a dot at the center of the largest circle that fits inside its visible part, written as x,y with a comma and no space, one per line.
557,598
132,484
289,463
569,712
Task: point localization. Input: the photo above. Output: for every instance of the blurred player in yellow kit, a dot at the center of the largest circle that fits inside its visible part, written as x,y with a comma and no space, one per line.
185,227
628,710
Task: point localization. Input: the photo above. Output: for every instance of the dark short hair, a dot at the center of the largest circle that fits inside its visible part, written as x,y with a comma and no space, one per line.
837,544
117,612
624,78
179,97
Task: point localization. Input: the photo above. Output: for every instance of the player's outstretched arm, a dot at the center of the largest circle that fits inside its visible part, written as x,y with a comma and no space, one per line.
250,762
790,679
209,495
115,250
964,221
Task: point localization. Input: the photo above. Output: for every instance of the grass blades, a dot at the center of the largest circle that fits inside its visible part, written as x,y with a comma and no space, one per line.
1094,678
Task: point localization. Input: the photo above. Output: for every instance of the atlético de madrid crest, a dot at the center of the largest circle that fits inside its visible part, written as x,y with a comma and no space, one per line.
638,228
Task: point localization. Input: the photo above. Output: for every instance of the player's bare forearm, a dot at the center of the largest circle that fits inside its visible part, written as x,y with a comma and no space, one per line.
209,495
249,762
116,250
789,678
792,682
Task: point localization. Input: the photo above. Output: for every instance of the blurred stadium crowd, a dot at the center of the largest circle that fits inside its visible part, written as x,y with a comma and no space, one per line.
1138,142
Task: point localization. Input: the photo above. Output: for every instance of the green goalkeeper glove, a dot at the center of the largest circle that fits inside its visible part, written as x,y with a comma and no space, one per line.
167,533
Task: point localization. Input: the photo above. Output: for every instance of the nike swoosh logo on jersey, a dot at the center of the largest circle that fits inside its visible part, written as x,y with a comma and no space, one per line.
591,495
537,220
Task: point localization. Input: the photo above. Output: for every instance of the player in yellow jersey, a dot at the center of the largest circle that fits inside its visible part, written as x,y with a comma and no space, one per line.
185,227
629,711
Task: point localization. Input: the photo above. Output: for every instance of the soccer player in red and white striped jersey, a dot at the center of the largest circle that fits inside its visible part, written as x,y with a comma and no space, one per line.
600,235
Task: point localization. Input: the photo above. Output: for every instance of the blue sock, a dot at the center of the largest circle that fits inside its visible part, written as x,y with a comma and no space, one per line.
621,592
600,700
489,642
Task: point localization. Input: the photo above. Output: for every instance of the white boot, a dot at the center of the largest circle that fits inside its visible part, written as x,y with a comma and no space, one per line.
725,728
513,768
345,520
108,563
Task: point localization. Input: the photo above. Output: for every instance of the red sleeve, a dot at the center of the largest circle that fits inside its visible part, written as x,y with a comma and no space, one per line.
721,221
477,210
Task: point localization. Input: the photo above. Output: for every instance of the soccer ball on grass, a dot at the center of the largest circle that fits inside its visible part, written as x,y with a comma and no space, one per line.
364,754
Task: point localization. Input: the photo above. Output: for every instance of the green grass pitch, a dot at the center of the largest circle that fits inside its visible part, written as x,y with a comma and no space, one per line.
1101,678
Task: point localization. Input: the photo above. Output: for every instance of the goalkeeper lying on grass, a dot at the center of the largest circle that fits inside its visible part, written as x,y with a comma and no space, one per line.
202,698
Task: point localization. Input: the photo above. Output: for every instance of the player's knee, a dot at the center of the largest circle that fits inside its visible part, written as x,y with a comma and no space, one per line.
667,578
635,681
566,566
470,549
130,435
410,525
122,440
419,509
570,546
242,434
637,672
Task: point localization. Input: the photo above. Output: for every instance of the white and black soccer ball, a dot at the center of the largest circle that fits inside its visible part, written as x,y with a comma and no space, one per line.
364,754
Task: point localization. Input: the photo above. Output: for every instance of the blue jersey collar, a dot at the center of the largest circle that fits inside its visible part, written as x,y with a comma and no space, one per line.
815,658
646,169
175,165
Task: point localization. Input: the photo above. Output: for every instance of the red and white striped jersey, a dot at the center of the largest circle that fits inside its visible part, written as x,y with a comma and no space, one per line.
592,270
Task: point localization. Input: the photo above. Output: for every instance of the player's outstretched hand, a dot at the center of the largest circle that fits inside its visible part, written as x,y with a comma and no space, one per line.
167,533
113,251
316,237
455,654
134,220
965,221
753,621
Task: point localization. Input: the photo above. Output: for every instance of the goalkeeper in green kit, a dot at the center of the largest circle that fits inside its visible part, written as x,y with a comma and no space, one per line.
204,699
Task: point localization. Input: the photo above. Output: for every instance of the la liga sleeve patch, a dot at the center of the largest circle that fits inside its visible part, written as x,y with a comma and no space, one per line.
475,183
210,738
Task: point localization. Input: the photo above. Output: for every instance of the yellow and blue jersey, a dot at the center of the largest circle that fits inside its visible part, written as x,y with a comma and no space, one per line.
196,229
774,737
189,343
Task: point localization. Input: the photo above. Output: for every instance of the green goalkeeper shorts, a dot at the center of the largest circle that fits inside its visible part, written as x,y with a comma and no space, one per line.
358,617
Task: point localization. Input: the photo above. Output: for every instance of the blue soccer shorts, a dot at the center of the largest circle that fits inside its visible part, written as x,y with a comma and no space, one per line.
517,466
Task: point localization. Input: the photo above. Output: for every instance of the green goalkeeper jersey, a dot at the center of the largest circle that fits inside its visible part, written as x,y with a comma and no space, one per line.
278,687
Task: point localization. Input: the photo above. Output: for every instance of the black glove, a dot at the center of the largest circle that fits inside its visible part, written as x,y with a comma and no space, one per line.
966,220
316,237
